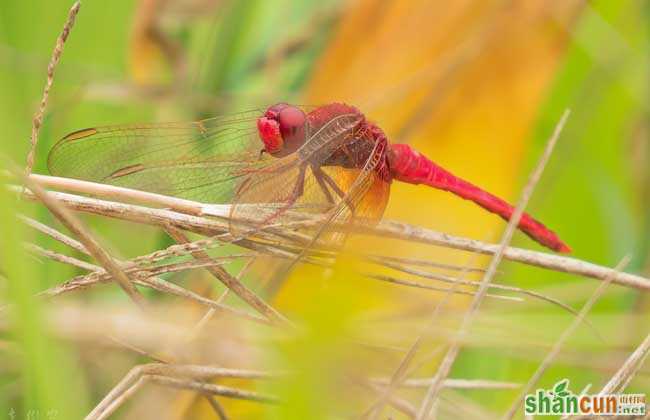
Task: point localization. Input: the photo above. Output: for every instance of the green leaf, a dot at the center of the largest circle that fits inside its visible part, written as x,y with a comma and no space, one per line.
561,387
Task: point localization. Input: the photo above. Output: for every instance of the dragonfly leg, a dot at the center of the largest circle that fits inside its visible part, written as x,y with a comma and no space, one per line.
332,184
299,188
318,174
296,193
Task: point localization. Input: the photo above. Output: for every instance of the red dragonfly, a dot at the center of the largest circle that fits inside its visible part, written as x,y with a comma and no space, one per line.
330,156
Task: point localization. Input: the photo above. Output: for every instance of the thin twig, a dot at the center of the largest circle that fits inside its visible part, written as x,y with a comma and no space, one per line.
194,332
410,283
232,283
54,234
386,228
138,273
447,279
628,370
400,404
180,237
454,348
37,121
158,357
404,231
452,383
150,280
121,399
75,225
114,192
216,406
402,369
168,359
55,256
117,395
125,388
552,354
391,261
213,389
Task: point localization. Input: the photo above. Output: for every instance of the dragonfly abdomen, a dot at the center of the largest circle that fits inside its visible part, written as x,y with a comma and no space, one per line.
408,165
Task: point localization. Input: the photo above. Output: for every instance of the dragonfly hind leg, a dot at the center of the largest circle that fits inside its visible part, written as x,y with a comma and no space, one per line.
318,174
325,181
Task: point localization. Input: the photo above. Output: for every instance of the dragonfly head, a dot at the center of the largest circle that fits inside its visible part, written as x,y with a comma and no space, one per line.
282,129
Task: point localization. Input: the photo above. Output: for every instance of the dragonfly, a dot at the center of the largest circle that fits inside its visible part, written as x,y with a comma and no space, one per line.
288,157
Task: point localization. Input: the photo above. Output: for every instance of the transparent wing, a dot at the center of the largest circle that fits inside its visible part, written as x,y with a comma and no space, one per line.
365,194
297,181
365,199
218,160
311,181
199,160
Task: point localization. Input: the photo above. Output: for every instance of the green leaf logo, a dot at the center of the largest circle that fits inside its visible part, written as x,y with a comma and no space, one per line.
561,389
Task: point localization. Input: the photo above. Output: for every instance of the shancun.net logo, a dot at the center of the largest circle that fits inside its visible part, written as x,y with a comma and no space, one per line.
561,401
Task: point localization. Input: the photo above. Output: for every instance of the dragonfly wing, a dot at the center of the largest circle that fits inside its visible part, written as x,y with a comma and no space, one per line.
295,182
311,182
364,199
199,160
267,194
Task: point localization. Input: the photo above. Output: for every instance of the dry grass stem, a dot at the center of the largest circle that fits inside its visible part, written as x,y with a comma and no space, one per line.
155,283
454,348
164,373
232,283
387,229
399,403
54,234
402,261
409,283
70,221
37,121
180,237
628,370
452,383
216,406
121,399
179,376
213,389
448,279
55,256
196,330
120,193
401,372
552,354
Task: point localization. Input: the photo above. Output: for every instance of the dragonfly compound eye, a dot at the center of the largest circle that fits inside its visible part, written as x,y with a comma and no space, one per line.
292,126
269,132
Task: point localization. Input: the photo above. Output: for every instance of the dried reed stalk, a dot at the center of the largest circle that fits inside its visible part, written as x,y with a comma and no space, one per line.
388,229
37,121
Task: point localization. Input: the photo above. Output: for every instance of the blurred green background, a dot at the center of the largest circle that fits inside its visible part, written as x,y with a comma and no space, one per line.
477,86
